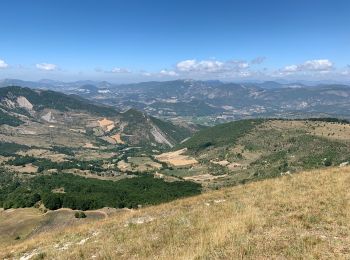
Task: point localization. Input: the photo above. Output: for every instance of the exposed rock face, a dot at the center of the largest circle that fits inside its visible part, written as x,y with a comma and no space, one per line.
48,117
159,136
24,103
8,103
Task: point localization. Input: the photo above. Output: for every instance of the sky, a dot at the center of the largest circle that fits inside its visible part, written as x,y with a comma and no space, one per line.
142,40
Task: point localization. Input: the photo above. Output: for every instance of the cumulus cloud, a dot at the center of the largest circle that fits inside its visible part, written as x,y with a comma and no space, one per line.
186,65
291,68
211,66
3,64
199,66
120,70
170,73
46,66
318,65
321,65
236,65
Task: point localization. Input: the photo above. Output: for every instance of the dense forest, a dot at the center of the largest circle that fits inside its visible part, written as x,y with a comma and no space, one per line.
86,193
220,135
6,119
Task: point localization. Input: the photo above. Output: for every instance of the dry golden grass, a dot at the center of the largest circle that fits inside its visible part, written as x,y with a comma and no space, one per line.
28,168
329,130
177,158
28,222
333,131
303,216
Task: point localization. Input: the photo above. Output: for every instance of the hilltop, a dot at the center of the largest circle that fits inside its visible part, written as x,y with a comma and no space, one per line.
248,150
300,216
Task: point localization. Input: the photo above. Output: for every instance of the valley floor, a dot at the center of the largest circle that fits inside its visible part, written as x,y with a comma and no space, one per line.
300,216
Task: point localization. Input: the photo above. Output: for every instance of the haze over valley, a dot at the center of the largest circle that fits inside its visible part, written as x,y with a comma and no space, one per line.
173,130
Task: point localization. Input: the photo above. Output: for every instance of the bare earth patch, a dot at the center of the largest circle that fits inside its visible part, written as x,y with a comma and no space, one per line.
177,158
43,153
90,146
118,139
28,168
138,164
203,177
222,163
106,124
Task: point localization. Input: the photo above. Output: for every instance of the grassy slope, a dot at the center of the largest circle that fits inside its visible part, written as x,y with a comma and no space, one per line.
267,148
300,216
24,222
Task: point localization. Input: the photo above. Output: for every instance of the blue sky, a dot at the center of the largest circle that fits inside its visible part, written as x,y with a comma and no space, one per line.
134,40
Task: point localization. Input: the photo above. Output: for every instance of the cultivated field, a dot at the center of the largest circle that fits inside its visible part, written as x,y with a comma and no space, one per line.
177,158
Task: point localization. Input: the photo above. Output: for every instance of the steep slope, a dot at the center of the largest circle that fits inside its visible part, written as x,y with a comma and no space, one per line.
46,132
304,216
38,100
72,113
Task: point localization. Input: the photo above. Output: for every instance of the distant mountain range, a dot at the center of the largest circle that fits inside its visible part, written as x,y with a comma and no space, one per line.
211,102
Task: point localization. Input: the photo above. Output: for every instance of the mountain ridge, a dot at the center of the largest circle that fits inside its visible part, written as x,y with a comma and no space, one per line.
47,106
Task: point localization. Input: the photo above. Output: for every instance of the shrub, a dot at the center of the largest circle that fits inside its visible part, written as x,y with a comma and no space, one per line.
328,162
79,214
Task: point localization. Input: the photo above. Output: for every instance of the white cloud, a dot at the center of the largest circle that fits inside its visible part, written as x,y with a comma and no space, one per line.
211,66
186,65
291,68
318,65
237,65
322,65
168,73
199,66
46,66
3,64
120,70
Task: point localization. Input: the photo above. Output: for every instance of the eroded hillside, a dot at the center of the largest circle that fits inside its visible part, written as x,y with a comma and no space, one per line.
35,110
